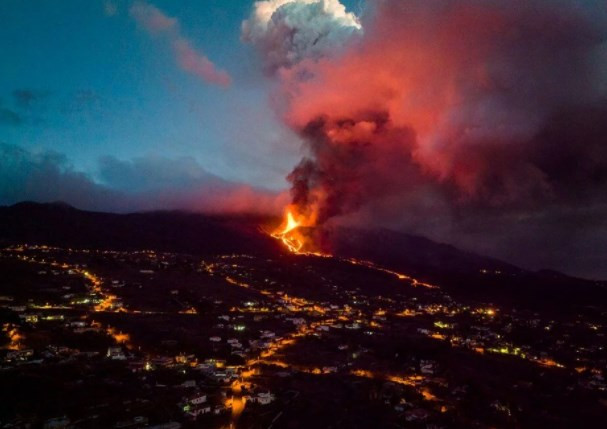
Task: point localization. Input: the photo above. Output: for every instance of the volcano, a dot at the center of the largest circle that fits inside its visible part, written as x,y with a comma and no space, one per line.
461,272
230,324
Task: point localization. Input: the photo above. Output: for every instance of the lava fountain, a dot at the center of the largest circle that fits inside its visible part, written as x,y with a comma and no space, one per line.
289,234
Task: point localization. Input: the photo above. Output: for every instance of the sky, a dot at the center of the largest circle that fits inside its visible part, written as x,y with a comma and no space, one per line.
478,123
94,82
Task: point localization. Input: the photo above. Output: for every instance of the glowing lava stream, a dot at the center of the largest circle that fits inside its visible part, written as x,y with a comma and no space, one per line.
294,244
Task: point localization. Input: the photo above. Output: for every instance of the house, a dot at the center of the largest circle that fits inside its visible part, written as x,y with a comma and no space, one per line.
197,399
205,367
29,317
57,423
195,412
234,343
115,353
59,350
184,359
264,398
222,377
416,415
53,317
138,366
19,355
426,367
162,361
116,304
86,329
210,364
219,409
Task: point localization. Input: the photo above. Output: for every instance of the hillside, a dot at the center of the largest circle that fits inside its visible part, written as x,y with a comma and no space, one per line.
463,274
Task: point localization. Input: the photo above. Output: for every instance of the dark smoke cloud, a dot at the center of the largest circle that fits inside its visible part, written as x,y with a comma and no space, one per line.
483,123
148,183
341,173
10,117
26,97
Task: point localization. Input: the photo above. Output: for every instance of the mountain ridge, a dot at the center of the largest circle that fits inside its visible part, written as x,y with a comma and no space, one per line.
461,272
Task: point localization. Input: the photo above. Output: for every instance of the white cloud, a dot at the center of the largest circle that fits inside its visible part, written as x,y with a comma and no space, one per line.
288,31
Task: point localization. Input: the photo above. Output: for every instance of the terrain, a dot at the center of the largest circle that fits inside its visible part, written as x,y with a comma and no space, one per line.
181,320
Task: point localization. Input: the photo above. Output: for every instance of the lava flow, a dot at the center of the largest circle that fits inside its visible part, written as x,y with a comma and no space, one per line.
289,234
292,237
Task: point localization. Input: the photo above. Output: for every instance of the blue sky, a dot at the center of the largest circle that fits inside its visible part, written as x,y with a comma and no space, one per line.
100,85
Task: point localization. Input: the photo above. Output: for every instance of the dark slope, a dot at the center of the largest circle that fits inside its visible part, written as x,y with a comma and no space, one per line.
463,274
62,225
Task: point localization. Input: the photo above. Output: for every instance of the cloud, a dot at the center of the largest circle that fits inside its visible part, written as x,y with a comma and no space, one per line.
82,101
110,8
477,123
485,115
145,183
199,65
155,22
9,117
143,174
152,18
158,183
25,98
48,176
285,32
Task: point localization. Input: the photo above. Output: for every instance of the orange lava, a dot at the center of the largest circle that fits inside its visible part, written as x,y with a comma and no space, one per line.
289,234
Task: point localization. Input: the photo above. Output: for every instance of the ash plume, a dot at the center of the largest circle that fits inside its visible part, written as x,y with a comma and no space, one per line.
461,96
289,31
446,115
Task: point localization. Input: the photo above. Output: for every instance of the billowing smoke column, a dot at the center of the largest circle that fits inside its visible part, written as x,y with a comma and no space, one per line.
470,105
289,31
354,158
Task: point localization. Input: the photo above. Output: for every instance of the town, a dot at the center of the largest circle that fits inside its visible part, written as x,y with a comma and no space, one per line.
100,338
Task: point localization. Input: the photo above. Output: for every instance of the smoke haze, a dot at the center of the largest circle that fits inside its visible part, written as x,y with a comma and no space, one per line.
471,122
